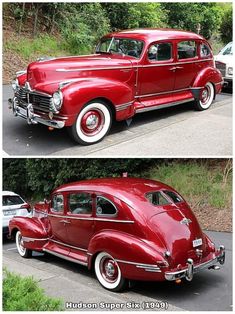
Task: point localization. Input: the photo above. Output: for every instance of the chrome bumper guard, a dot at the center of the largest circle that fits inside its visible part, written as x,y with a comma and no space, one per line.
192,269
30,116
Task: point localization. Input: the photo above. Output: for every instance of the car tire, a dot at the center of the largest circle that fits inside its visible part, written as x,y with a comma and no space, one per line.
26,253
108,273
206,98
92,123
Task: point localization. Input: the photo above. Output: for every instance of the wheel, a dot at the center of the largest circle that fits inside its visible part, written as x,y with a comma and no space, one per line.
92,123
108,273
20,246
206,97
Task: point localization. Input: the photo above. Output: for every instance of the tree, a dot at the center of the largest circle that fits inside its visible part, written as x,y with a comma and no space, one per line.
226,27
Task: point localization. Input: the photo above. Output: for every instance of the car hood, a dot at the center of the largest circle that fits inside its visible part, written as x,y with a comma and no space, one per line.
178,228
45,75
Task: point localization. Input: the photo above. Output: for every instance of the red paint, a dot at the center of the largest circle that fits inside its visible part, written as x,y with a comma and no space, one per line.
118,79
139,232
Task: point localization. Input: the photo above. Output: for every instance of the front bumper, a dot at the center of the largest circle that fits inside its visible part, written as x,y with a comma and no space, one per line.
189,271
31,117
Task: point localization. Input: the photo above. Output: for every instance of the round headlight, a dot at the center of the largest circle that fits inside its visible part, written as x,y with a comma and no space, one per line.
230,70
57,99
15,84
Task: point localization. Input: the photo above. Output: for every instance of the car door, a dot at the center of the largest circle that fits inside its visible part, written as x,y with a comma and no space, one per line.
80,226
186,69
57,218
156,76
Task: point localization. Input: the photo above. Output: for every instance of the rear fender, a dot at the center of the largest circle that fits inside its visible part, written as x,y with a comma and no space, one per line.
114,93
123,247
208,74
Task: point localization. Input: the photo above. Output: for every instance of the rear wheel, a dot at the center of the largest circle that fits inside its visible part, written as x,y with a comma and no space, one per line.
92,123
20,246
108,273
206,97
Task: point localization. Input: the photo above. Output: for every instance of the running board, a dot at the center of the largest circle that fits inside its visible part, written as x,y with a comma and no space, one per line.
145,109
70,259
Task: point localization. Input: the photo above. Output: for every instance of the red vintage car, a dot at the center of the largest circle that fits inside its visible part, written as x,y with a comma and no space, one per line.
132,71
123,228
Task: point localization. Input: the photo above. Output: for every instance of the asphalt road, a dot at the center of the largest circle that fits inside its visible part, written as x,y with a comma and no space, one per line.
176,131
210,290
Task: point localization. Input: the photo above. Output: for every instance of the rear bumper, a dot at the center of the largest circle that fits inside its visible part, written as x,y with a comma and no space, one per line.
31,117
189,271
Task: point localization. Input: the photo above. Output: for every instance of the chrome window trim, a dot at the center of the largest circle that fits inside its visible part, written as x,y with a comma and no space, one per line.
105,215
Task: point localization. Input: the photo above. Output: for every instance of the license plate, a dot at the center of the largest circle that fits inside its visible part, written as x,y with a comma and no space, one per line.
197,242
9,212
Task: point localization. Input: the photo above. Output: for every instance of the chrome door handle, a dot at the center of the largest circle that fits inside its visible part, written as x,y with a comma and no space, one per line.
65,221
178,68
173,69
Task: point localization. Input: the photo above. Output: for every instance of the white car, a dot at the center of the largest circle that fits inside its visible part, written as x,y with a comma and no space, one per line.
224,63
12,205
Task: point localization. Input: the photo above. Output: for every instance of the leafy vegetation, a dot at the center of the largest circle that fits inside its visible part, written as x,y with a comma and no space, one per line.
202,182
23,294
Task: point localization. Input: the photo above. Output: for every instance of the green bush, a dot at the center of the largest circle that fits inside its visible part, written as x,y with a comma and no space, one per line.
24,294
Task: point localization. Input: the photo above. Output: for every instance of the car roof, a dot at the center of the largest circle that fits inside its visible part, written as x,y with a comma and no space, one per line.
10,193
130,190
152,34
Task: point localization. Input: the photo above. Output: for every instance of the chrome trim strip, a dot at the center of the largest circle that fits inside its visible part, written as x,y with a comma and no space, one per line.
173,63
92,219
94,69
65,257
64,244
162,93
29,239
168,105
221,82
137,264
123,106
18,73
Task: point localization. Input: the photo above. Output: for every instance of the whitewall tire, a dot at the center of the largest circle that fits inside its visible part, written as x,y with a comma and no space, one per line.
92,123
207,96
108,272
20,246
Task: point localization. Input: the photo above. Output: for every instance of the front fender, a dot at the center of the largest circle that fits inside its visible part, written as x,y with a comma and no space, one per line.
31,227
123,246
82,91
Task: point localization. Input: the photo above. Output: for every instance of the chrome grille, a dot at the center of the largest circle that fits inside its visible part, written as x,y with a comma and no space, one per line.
39,102
221,67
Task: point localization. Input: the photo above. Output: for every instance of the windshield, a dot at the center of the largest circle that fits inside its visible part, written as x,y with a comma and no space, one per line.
123,46
227,50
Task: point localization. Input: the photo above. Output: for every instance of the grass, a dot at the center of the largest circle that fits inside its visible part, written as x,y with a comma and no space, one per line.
24,294
198,183
43,45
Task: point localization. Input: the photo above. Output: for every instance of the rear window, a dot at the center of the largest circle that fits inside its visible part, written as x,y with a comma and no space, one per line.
173,196
157,199
12,200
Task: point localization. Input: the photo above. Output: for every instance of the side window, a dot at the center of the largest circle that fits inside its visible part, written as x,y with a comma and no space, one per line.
80,203
204,51
105,207
160,52
57,204
186,49
157,199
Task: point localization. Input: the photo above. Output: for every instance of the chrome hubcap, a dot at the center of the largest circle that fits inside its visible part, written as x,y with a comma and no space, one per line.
92,122
109,270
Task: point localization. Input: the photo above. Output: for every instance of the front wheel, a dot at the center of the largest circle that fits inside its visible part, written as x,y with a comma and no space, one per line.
20,246
92,123
206,97
108,273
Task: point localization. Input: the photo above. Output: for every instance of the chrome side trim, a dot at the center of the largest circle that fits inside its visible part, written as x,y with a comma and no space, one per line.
123,106
29,239
18,73
140,265
145,109
94,69
92,219
68,245
163,93
66,257
174,63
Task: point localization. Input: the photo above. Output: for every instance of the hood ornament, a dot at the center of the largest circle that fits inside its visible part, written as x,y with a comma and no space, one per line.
185,221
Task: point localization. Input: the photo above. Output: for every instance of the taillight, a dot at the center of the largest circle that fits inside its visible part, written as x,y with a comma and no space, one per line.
27,206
